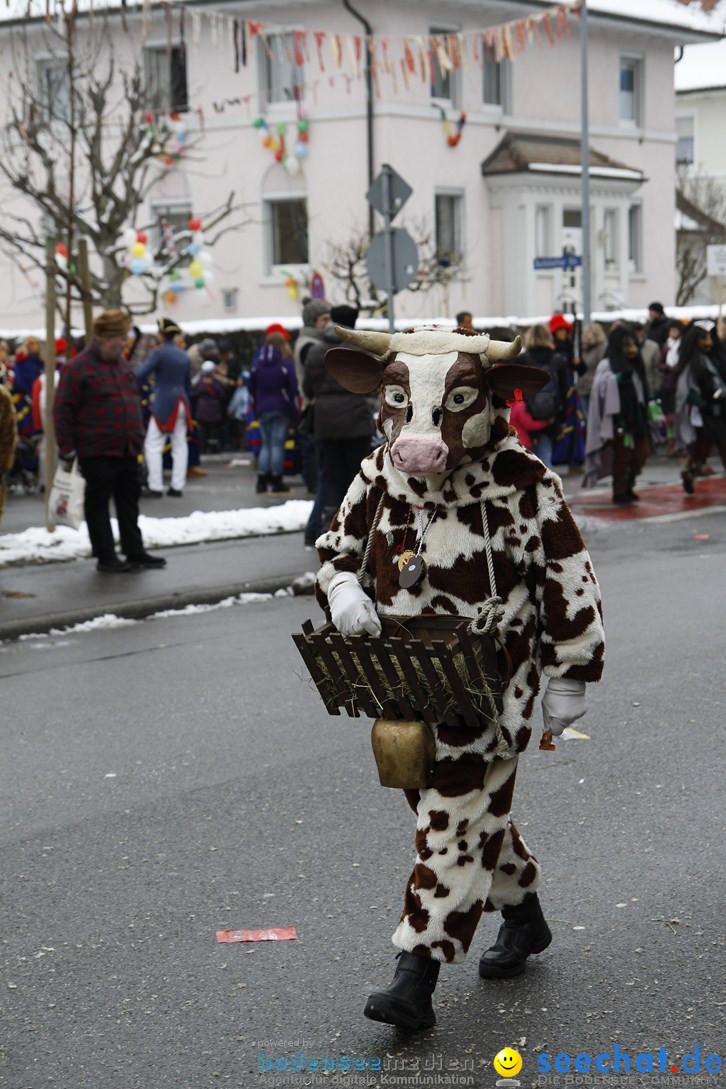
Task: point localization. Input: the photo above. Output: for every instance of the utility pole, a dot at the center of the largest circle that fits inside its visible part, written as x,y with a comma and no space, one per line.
49,430
585,168
387,206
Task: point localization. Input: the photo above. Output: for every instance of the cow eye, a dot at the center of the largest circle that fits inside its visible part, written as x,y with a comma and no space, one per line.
395,396
461,398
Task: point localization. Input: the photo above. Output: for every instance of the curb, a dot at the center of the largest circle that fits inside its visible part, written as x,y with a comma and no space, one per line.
139,610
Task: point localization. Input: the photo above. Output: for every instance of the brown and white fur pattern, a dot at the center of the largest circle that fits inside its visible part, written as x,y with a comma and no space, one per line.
470,857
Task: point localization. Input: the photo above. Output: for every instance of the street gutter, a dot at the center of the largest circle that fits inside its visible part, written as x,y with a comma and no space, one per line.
147,606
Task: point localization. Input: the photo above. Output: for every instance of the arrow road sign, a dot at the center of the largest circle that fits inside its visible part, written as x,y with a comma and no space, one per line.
398,192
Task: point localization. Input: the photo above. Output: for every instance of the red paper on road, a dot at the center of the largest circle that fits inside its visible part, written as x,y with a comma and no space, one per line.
274,934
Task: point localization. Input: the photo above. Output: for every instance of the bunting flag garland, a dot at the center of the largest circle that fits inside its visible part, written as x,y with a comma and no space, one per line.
392,57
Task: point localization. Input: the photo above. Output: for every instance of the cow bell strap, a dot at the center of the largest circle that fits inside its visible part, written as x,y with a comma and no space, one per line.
491,612
369,542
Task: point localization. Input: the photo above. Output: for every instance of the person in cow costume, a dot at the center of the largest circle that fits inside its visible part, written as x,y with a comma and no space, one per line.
448,509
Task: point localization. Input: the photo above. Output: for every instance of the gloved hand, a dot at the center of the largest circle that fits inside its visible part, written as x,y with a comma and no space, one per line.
351,610
563,703
67,460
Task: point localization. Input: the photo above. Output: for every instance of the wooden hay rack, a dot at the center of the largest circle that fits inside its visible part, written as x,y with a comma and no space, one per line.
426,668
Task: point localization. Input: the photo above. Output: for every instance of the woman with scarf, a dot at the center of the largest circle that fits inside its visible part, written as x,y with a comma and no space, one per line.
617,426
700,399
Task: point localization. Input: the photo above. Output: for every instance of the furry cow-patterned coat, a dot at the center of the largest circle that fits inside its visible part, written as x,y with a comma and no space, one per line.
552,619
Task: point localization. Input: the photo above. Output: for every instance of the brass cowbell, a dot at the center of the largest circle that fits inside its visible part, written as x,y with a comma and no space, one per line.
405,753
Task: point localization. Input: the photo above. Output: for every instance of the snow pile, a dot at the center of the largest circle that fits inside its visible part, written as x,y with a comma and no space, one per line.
37,545
111,620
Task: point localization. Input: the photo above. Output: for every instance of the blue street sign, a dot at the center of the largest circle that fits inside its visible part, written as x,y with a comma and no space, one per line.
567,260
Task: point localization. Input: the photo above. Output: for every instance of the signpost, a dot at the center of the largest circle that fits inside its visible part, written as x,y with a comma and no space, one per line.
392,257
716,266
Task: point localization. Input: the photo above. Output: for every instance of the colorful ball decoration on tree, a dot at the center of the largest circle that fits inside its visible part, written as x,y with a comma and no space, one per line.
137,259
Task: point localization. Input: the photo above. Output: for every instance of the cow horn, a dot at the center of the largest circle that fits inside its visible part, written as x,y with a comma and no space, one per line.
376,343
502,349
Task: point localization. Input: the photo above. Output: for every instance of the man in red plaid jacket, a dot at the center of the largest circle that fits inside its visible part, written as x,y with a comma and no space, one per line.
98,420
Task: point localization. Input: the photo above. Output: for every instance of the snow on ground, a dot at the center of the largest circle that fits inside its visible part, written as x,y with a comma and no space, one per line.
37,545
111,620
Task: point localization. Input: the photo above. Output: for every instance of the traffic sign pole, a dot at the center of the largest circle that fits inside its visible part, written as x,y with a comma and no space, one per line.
386,179
585,168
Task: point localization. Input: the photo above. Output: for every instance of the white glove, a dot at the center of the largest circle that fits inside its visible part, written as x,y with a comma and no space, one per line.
563,703
351,610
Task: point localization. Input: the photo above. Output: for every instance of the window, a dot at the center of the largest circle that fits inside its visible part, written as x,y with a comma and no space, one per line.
610,238
287,225
684,145
54,90
444,81
543,230
449,232
166,78
631,84
282,76
229,299
572,218
635,238
493,80
168,220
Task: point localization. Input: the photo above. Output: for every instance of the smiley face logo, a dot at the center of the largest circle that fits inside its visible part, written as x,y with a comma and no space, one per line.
508,1062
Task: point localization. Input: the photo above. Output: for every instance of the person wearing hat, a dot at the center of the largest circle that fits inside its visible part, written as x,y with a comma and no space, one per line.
98,419
315,317
170,410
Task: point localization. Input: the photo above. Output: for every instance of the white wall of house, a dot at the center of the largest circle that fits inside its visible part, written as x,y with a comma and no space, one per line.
700,78
498,216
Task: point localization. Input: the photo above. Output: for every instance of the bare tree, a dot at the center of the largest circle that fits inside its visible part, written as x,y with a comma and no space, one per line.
701,203
86,149
346,264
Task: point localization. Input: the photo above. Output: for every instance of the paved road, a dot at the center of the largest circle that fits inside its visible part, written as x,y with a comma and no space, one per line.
176,777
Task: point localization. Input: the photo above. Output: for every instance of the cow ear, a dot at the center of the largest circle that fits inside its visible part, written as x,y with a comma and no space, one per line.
356,371
504,378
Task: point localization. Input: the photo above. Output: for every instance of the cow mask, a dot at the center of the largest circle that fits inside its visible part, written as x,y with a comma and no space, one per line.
436,391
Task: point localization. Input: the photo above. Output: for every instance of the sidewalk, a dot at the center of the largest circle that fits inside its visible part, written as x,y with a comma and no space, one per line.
38,597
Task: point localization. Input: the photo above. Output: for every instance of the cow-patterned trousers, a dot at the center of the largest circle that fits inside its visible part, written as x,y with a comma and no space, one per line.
470,857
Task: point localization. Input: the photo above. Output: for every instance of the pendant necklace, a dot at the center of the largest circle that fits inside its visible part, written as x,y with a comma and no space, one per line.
404,554
414,569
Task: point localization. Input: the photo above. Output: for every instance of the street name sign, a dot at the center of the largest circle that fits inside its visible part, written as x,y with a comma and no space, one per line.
566,260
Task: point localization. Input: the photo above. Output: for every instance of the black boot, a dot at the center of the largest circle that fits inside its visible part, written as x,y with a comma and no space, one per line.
261,483
407,1002
277,486
523,931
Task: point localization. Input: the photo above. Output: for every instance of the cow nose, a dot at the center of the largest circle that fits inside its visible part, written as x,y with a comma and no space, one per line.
419,455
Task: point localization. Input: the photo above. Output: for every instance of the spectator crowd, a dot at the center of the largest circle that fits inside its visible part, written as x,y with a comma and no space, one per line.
612,399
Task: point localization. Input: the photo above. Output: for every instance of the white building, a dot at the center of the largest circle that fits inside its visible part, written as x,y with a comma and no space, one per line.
700,78
507,192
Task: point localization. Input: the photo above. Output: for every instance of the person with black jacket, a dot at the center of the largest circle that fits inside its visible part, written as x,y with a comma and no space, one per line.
343,422
701,398
658,324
